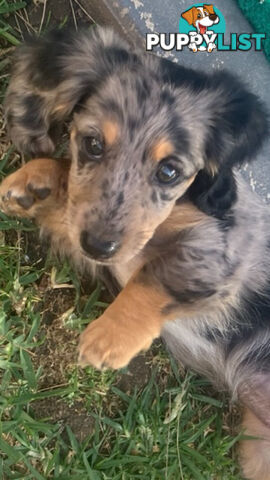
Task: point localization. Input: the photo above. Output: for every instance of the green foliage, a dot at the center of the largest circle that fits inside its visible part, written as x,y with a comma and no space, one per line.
7,32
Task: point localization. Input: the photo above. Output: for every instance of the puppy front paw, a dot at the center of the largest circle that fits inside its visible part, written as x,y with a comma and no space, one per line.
211,47
107,344
33,188
192,46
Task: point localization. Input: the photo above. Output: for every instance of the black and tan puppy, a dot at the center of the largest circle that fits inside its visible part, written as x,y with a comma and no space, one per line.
152,195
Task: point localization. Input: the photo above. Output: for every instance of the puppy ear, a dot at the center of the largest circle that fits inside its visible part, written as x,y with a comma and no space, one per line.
237,128
235,125
189,15
234,121
51,75
214,195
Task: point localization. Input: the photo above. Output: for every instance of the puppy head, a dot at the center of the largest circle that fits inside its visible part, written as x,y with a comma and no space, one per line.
201,17
145,132
132,159
207,17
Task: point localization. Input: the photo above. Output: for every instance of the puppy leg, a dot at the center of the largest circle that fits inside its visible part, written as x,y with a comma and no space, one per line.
129,325
35,190
161,291
255,453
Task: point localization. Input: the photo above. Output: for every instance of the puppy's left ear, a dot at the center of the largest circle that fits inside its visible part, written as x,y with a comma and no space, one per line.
236,129
189,15
237,124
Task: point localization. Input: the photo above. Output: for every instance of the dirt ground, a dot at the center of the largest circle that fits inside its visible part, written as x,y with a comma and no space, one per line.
41,14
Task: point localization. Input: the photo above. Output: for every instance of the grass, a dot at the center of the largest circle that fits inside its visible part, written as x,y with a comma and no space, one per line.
147,422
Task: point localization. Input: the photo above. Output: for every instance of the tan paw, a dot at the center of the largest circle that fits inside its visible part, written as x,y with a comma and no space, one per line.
106,344
37,186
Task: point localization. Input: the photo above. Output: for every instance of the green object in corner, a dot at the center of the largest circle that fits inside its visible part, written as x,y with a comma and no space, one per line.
258,14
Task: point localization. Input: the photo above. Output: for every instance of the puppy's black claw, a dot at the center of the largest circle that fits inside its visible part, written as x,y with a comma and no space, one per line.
25,202
40,193
6,197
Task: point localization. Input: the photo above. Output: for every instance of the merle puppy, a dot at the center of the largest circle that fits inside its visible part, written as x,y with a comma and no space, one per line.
152,196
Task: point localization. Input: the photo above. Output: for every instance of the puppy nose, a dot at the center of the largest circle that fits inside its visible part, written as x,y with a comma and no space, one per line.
97,248
213,17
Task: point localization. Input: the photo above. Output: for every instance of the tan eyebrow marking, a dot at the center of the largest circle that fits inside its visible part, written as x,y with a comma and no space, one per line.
111,131
162,149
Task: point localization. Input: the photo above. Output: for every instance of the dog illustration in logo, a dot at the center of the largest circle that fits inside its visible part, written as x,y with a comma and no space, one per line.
201,18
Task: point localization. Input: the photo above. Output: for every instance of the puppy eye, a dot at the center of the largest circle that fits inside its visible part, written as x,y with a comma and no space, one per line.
199,15
167,174
206,13
94,146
